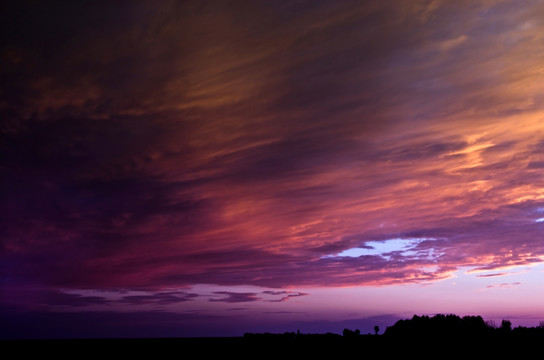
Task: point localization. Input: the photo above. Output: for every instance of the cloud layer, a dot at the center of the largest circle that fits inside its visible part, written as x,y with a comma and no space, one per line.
168,144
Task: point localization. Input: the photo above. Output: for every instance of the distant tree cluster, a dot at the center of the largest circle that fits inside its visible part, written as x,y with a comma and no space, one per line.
422,327
453,325
357,332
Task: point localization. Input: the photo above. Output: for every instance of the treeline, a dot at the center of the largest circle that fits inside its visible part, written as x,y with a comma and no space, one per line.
424,327
453,325
422,336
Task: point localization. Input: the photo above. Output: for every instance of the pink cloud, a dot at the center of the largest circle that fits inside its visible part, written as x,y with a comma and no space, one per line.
503,285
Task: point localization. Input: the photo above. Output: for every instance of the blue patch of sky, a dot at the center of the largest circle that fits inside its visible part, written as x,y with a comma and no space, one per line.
404,246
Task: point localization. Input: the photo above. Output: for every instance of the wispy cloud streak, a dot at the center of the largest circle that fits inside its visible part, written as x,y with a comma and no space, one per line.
178,144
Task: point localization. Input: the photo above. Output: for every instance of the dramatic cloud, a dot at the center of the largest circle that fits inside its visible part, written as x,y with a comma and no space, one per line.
159,146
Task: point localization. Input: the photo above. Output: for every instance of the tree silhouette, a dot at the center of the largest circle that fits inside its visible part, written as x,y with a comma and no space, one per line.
376,329
440,326
506,326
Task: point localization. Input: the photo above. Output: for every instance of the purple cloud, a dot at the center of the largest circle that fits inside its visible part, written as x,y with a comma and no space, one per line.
161,298
234,297
284,295
504,285
492,275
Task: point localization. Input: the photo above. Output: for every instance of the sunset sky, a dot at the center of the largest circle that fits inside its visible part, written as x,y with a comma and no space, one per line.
209,168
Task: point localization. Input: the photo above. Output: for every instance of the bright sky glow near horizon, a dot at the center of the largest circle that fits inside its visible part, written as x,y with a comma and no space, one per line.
209,168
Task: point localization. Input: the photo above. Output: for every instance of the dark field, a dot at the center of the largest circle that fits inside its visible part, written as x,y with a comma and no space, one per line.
440,336
285,345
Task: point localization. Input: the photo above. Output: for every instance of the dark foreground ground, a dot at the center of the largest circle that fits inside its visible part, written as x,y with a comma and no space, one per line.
257,346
